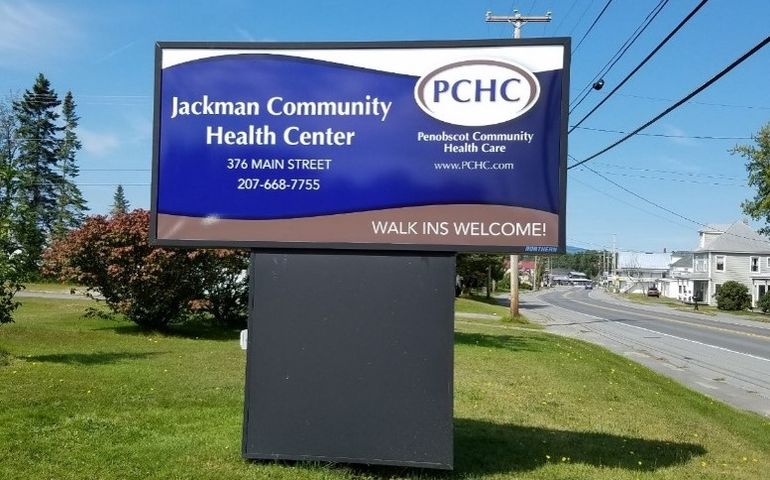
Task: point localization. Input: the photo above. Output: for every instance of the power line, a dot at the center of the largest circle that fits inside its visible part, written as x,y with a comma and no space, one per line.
583,94
673,107
580,19
654,204
678,180
727,105
673,172
664,135
637,207
572,5
643,62
596,20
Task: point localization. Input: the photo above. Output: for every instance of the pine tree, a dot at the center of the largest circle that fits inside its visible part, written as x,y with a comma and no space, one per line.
9,146
119,202
38,159
70,205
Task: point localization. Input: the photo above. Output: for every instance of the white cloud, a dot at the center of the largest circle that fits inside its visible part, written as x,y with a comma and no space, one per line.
678,136
98,144
30,32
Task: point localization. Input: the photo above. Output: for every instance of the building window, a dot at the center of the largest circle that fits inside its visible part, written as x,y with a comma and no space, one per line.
768,262
717,287
720,263
754,264
700,264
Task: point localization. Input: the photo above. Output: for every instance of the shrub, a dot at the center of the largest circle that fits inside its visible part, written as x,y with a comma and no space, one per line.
154,287
733,296
9,279
764,303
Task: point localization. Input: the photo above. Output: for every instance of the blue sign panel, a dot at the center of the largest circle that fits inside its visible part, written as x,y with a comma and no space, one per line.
418,146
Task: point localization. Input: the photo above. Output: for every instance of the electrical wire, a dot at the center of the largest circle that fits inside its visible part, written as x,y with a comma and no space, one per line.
726,105
583,94
677,180
664,135
596,20
636,207
643,62
580,19
676,105
665,209
673,172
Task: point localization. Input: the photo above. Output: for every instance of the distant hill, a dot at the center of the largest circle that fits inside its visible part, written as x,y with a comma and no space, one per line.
571,249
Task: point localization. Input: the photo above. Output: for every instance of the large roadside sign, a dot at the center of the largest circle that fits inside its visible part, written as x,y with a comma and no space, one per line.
442,146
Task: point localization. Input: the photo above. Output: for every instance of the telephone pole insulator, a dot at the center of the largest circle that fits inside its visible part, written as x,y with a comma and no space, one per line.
517,20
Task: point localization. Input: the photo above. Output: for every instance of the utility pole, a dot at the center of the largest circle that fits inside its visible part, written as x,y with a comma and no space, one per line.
517,20
614,261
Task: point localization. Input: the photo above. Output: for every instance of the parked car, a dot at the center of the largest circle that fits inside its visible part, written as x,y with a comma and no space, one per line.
653,291
589,286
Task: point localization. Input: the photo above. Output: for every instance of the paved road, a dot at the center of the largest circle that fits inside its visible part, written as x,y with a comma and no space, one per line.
722,356
53,295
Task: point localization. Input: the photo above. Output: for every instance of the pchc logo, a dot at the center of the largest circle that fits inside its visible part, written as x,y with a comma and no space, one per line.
477,92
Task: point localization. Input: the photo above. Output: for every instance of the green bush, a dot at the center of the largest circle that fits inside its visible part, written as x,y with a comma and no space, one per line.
733,296
153,287
764,303
9,279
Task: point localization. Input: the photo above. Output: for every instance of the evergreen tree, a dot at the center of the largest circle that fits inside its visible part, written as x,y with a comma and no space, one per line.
70,205
9,146
38,159
119,202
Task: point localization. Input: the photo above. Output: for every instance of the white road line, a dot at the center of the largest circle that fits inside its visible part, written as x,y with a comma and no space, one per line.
666,334
697,342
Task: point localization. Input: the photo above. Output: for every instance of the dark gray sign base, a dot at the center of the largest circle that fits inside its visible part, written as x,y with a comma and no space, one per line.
350,359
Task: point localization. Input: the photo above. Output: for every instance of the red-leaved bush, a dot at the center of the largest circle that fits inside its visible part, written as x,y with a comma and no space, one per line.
151,286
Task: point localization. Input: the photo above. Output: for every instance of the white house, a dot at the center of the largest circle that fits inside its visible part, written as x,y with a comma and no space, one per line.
729,252
637,271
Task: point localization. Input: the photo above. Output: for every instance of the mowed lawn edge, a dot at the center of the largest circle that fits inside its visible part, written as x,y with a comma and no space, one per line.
93,398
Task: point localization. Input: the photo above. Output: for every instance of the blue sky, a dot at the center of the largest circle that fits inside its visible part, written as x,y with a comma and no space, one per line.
104,53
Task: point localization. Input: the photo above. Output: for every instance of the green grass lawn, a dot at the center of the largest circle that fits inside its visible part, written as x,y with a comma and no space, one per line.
88,398
479,304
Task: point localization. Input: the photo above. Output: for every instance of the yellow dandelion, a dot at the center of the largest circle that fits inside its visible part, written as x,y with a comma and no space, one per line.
702,464
745,459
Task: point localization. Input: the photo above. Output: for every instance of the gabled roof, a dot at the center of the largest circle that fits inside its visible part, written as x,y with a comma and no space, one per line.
737,238
684,262
643,261
715,228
